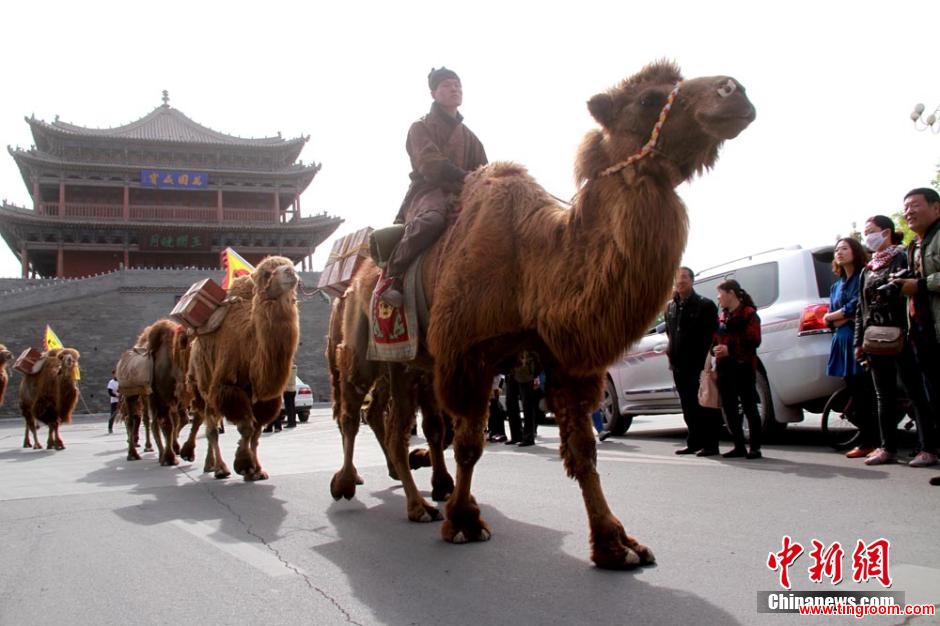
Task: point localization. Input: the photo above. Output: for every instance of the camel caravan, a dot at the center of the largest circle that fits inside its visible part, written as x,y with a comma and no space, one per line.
499,281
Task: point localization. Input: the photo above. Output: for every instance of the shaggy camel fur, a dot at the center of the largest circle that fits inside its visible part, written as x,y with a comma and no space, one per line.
352,376
517,272
241,369
168,345
50,397
5,357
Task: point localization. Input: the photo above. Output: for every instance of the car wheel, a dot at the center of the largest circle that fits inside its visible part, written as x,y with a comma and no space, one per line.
303,416
614,422
770,427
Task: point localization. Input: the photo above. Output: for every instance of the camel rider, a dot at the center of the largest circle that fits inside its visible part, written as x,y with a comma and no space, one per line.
442,152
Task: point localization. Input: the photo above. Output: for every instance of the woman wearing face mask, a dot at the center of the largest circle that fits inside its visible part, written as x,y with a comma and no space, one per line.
735,350
887,307
849,257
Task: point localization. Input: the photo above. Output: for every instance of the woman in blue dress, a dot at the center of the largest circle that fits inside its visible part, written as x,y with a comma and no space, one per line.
849,257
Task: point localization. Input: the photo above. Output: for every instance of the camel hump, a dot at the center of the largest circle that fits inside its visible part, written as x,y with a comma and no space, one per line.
505,169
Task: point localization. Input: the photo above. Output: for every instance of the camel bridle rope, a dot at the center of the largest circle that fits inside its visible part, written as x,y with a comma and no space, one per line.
650,145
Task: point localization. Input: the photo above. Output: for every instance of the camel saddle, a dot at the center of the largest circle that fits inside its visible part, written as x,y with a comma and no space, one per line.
29,362
394,333
134,372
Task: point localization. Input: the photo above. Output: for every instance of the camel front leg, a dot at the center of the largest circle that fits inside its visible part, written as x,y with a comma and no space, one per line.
464,523
214,460
188,451
264,412
346,413
164,420
31,427
434,426
147,422
398,434
573,400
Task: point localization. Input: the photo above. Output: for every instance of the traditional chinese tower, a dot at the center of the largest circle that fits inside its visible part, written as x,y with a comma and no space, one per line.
160,192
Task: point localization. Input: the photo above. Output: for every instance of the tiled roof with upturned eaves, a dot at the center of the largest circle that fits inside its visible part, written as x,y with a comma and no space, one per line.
164,123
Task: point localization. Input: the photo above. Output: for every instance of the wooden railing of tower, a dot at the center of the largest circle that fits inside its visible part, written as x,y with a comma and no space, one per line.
158,213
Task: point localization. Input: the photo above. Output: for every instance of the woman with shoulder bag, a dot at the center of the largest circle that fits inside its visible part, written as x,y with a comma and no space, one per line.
881,336
848,259
735,350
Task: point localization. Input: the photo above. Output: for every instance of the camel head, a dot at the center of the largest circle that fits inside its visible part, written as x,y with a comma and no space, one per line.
274,277
5,355
694,117
68,359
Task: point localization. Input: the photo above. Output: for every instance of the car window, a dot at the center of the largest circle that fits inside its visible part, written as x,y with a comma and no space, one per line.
761,281
825,277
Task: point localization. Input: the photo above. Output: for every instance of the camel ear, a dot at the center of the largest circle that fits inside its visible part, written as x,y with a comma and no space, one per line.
601,107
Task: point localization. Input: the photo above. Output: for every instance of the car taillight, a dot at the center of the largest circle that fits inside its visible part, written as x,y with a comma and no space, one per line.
305,392
811,323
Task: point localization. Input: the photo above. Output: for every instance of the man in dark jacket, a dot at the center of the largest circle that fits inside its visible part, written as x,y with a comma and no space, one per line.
691,321
442,152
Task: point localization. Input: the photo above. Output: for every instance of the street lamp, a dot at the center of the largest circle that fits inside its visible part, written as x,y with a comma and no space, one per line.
921,123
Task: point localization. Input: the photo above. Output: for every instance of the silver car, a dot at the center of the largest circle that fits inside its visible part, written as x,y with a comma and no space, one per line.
791,289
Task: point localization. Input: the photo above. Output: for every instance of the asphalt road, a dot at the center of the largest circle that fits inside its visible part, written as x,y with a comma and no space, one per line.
87,537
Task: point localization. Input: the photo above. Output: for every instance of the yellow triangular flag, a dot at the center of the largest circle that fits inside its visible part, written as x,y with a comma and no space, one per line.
234,267
51,341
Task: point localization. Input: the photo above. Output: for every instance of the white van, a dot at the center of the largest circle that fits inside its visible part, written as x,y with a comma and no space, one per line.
790,287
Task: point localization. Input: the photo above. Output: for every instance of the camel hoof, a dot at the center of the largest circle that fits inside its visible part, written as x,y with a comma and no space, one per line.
60,446
360,480
148,448
340,488
621,552
133,456
419,458
425,514
188,452
37,446
27,444
256,475
452,534
441,489
220,474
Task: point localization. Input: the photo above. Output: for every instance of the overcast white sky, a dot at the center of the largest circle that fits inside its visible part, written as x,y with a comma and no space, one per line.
833,82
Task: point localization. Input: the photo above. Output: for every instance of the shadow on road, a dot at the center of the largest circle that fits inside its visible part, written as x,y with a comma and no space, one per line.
408,565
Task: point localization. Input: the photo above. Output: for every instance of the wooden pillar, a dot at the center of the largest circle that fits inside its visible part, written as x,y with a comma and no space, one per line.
127,257
220,214
297,204
60,262
37,196
24,262
126,212
61,199
277,207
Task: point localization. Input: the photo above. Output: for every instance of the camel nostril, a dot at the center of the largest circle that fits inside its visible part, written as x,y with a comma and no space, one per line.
727,88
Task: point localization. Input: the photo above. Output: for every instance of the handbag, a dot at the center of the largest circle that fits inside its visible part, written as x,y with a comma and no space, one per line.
883,340
708,386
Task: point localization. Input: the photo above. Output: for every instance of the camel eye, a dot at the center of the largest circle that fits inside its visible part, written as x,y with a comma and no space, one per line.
727,88
652,99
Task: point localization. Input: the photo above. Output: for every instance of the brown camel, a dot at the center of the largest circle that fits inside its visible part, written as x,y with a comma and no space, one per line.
167,344
50,396
352,376
5,357
241,369
516,271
